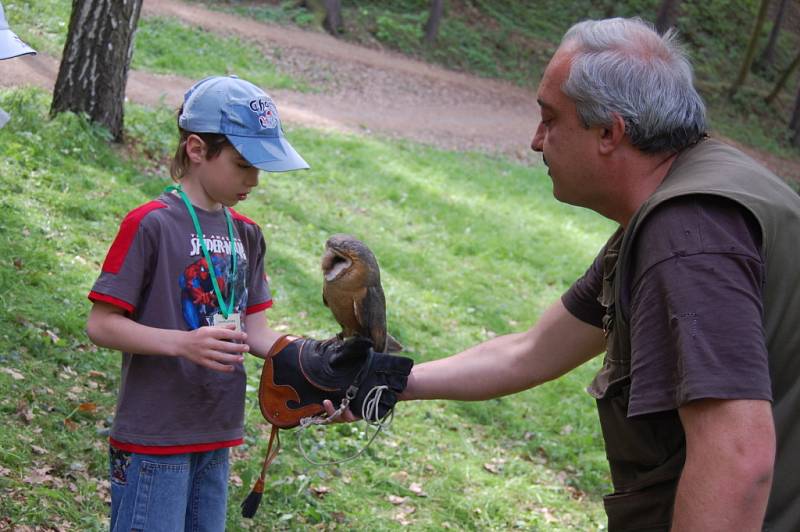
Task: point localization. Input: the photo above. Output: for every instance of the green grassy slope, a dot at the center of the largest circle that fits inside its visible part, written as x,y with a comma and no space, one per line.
469,246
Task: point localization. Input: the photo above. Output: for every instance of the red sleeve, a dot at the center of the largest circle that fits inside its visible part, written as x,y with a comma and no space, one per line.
259,295
126,265
237,216
127,232
105,298
252,309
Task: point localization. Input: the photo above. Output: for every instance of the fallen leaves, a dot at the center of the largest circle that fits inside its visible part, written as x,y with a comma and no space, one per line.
51,335
547,515
403,513
74,393
87,407
400,476
396,499
43,329
38,450
41,475
16,375
320,491
491,468
104,490
416,489
24,411
67,373
405,509
495,466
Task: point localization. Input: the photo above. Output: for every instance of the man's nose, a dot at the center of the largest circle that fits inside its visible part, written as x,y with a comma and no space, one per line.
537,143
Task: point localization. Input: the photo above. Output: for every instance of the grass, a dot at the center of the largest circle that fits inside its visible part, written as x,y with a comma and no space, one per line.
470,246
166,46
162,45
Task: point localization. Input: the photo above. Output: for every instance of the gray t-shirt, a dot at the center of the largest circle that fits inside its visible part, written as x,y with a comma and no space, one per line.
694,256
156,271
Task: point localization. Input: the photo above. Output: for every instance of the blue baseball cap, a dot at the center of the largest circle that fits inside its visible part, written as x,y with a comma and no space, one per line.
246,116
10,44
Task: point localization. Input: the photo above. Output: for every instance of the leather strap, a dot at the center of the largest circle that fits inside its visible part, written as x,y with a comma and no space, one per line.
275,439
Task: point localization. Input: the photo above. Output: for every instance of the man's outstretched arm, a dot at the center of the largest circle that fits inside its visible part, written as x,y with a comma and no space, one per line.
557,343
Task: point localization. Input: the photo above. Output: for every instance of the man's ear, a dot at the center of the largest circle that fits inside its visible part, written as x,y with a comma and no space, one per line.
611,136
195,149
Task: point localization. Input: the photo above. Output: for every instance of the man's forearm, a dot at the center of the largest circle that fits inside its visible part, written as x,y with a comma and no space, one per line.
506,364
490,369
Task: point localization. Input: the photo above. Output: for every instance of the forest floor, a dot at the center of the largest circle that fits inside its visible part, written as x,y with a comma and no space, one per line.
357,90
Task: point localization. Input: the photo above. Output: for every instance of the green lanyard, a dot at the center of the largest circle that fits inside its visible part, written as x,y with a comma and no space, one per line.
223,308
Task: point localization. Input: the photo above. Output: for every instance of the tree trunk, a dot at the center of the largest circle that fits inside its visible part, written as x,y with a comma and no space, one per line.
768,55
784,78
95,62
435,17
794,123
327,13
333,16
751,49
667,14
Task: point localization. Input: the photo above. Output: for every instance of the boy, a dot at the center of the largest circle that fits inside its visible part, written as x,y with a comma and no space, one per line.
182,282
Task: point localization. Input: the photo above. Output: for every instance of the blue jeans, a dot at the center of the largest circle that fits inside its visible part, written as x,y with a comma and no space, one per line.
153,493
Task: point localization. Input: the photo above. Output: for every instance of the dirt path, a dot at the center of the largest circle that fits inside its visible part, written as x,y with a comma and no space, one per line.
359,89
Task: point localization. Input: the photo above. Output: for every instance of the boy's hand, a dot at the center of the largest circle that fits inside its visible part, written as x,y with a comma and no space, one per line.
215,347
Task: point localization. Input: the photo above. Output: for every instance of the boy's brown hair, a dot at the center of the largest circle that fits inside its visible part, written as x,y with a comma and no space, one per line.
215,142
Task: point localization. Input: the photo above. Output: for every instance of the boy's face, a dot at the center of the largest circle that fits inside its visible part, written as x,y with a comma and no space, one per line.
224,179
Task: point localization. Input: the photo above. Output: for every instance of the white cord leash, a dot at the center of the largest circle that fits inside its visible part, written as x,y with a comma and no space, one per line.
369,413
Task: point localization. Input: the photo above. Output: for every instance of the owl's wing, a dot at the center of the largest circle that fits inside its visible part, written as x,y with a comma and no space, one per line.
371,315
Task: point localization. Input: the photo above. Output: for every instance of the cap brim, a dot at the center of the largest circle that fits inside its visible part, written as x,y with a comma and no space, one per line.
12,46
270,154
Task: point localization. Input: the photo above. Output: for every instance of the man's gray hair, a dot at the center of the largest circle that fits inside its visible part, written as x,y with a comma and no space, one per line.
624,67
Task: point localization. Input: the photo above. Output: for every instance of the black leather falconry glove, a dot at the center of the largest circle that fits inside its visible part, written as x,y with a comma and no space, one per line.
299,374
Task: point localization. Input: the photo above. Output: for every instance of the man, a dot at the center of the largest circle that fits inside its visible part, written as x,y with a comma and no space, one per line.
10,46
692,299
